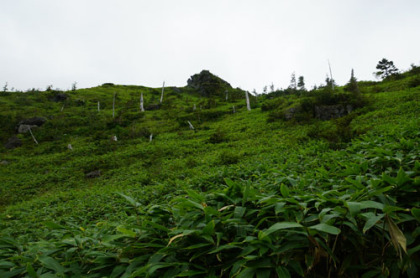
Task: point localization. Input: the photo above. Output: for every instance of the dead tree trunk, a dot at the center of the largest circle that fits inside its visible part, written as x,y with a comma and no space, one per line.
163,89
141,103
33,137
332,80
248,105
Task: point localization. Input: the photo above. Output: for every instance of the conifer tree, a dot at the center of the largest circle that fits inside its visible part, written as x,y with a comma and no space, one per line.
352,85
385,69
301,83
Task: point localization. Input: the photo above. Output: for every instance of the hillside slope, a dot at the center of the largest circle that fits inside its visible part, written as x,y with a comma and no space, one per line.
199,186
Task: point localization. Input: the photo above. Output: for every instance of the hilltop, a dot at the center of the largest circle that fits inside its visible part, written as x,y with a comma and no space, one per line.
307,183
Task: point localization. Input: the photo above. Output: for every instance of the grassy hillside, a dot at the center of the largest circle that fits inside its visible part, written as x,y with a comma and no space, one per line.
244,194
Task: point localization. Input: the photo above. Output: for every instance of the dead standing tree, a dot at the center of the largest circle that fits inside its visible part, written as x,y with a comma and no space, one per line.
332,80
141,103
163,89
248,105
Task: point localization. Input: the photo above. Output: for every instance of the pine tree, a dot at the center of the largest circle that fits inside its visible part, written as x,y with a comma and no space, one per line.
352,85
301,83
385,69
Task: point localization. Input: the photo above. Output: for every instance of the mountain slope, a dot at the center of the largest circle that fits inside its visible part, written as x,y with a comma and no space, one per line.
242,193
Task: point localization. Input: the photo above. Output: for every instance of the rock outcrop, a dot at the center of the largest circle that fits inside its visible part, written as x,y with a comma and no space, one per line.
290,113
25,125
328,112
13,142
38,121
93,174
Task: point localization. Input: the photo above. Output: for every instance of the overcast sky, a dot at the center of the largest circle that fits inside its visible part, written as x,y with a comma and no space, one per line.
249,43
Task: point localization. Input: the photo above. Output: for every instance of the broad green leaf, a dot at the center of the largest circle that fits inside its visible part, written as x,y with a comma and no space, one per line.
195,196
247,273
390,209
209,228
126,232
239,212
155,225
326,229
193,204
117,271
282,272
356,183
10,274
54,226
413,250
152,268
371,221
371,204
224,247
354,208
52,264
31,271
284,190
197,246
245,194
6,265
229,182
281,226
416,213
402,177
129,199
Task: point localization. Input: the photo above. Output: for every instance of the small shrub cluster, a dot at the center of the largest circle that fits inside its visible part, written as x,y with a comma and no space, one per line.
228,157
218,136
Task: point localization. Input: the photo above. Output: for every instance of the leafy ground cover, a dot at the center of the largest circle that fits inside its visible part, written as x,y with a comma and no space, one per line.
238,196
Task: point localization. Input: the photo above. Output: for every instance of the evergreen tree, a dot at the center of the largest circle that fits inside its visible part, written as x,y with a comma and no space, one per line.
385,69
5,87
271,88
301,83
330,82
352,85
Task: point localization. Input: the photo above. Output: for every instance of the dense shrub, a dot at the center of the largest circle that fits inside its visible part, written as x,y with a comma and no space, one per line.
229,157
218,136
414,82
271,104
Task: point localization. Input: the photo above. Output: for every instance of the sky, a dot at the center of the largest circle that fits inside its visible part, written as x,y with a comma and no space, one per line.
249,43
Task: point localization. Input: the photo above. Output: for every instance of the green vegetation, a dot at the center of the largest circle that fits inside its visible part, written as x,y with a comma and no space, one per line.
277,191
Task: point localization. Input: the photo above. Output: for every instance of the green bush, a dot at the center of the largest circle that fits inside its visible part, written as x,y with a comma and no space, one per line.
414,82
272,104
228,157
218,136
